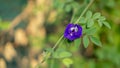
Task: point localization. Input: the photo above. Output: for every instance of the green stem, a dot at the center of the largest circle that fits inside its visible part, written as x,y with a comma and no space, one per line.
57,42
84,10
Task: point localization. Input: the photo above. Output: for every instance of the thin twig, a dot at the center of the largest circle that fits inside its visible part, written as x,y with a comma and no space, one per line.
84,10
57,42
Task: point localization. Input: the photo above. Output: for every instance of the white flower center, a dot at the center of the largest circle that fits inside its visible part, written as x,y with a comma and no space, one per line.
74,29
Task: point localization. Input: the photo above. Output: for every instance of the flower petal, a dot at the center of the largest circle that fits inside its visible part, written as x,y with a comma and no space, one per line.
73,31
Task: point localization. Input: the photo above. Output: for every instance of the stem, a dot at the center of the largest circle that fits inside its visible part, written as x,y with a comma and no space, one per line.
57,42
84,11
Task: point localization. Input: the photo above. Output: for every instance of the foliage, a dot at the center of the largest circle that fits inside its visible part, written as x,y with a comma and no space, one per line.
88,21
99,46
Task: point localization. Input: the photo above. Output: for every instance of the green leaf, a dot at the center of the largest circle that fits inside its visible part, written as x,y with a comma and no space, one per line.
90,31
67,62
82,20
96,15
85,41
74,4
88,14
90,23
55,55
100,23
57,52
107,24
95,41
65,54
102,18
49,50
61,53
77,42
68,8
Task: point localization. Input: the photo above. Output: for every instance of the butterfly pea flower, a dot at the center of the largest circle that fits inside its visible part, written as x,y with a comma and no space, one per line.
73,31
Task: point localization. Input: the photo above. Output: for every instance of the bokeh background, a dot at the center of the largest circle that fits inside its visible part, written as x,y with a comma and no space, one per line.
27,27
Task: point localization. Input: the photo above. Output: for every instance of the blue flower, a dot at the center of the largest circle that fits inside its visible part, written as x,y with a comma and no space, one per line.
73,31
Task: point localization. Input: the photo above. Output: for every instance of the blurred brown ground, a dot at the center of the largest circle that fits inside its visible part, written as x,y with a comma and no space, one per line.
15,49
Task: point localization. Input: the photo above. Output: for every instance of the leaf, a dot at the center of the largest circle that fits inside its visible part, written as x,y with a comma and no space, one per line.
57,52
74,4
55,55
77,42
102,18
67,62
95,41
85,41
100,23
90,23
68,8
90,31
96,15
82,20
88,14
61,53
107,24
65,54
49,49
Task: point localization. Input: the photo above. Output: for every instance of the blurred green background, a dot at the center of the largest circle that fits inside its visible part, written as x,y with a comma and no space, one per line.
27,27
